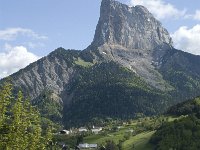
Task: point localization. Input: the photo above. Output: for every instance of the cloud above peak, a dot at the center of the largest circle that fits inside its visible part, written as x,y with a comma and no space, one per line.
14,58
160,9
188,39
10,34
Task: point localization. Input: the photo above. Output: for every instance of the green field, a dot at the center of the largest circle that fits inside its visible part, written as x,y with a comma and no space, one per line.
83,63
140,141
133,135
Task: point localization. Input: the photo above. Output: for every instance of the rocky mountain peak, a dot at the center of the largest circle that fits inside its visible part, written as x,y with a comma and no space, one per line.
129,27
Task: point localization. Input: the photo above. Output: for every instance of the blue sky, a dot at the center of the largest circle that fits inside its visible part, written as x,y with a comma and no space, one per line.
31,29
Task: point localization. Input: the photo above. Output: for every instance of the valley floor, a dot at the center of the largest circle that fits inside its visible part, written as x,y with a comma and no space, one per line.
134,134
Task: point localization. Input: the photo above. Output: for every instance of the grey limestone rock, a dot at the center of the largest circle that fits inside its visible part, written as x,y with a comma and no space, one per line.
130,27
51,73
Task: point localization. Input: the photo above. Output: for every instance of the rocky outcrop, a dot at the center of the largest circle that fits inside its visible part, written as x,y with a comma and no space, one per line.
51,73
129,27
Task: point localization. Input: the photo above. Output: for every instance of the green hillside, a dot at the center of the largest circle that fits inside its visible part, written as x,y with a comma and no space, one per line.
110,90
185,108
182,134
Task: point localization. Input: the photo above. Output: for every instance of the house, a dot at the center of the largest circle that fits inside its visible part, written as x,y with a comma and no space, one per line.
119,127
86,145
82,129
64,132
130,130
96,130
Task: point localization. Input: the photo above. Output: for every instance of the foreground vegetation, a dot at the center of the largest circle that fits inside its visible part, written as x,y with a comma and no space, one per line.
20,123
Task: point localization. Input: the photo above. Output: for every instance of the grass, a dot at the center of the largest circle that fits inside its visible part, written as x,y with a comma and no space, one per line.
108,135
140,142
83,63
139,126
99,139
172,118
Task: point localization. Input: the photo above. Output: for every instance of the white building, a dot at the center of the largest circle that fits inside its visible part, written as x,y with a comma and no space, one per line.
86,145
64,132
96,130
82,129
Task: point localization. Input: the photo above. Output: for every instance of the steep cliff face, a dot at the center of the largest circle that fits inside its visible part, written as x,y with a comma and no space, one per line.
129,27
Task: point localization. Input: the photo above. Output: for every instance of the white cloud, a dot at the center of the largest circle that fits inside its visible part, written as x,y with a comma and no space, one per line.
15,58
188,39
160,9
197,15
11,33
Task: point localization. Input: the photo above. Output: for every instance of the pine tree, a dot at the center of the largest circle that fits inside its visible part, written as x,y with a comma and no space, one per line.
5,101
17,133
20,123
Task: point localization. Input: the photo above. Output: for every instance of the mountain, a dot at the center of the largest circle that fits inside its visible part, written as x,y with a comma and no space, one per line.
129,68
129,36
